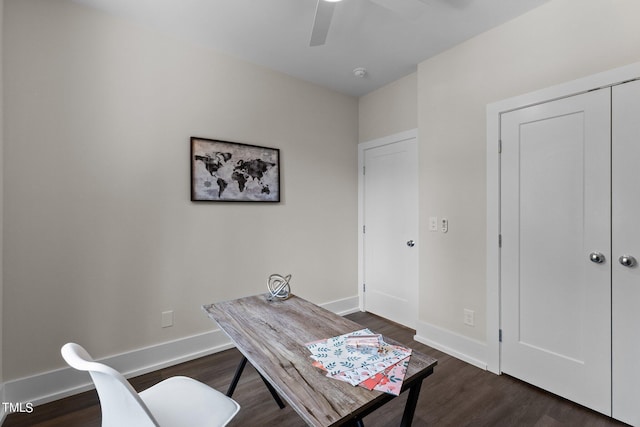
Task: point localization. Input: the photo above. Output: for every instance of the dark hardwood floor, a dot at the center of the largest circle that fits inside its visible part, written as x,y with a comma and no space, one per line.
457,394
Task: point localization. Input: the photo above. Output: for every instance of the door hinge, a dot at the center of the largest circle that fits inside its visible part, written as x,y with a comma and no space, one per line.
364,229
364,287
499,240
499,335
499,146
364,170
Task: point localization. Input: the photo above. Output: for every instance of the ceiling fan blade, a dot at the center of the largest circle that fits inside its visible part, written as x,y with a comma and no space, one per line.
321,23
407,9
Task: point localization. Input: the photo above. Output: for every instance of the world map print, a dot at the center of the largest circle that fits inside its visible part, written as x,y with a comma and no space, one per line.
227,171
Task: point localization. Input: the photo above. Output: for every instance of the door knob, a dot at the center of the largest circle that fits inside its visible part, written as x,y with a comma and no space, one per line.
627,260
596,257
411,243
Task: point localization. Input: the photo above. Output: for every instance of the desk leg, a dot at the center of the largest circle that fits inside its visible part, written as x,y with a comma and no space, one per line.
410,406
273,392
236,378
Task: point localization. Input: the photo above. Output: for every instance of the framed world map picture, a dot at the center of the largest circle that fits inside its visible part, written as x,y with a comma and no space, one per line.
224,171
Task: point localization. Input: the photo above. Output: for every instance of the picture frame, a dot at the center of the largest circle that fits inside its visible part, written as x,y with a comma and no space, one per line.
224,171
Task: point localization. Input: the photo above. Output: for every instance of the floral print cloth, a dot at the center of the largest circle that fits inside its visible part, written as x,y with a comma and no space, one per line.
383,371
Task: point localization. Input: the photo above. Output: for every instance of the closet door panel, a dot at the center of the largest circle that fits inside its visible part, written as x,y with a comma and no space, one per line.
626,242
555,216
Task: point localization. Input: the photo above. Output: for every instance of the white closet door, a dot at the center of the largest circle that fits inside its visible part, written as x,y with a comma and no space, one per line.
555,213
626,241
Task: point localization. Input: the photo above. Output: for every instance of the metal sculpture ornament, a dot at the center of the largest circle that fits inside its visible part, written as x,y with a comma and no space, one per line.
278,287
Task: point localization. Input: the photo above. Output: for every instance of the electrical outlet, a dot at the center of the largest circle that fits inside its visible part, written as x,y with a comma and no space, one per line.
469,317
167,319
433,223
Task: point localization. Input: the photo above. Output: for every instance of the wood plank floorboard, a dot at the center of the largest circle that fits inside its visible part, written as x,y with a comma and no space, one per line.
456,395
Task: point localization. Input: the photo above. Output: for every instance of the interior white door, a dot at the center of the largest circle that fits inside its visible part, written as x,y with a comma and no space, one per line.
555,222
626,242
390,255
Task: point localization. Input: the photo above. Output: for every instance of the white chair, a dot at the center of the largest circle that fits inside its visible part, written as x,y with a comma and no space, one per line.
174,402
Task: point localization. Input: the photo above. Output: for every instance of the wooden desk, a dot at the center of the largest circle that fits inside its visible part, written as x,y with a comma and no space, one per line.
272,336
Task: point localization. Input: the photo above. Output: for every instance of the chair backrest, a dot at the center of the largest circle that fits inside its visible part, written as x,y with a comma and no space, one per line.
120,403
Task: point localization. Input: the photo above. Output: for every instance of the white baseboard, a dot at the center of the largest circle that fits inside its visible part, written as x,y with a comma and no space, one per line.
344,306
53,385
57,384
466,349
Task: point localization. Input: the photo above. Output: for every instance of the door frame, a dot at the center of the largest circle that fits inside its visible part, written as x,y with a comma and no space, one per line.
494,113
362,147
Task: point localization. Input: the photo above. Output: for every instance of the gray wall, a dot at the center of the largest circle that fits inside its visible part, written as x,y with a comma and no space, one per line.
558,42
555,43
100,234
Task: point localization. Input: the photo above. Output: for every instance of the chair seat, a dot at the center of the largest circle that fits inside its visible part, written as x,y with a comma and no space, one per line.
182,401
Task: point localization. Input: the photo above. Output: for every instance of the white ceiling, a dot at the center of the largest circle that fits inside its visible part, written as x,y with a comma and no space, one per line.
388,41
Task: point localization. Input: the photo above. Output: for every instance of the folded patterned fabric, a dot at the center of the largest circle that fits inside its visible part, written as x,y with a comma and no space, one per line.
390,381
383,370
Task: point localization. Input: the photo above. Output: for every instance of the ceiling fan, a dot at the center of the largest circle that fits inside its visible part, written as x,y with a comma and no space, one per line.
324,14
